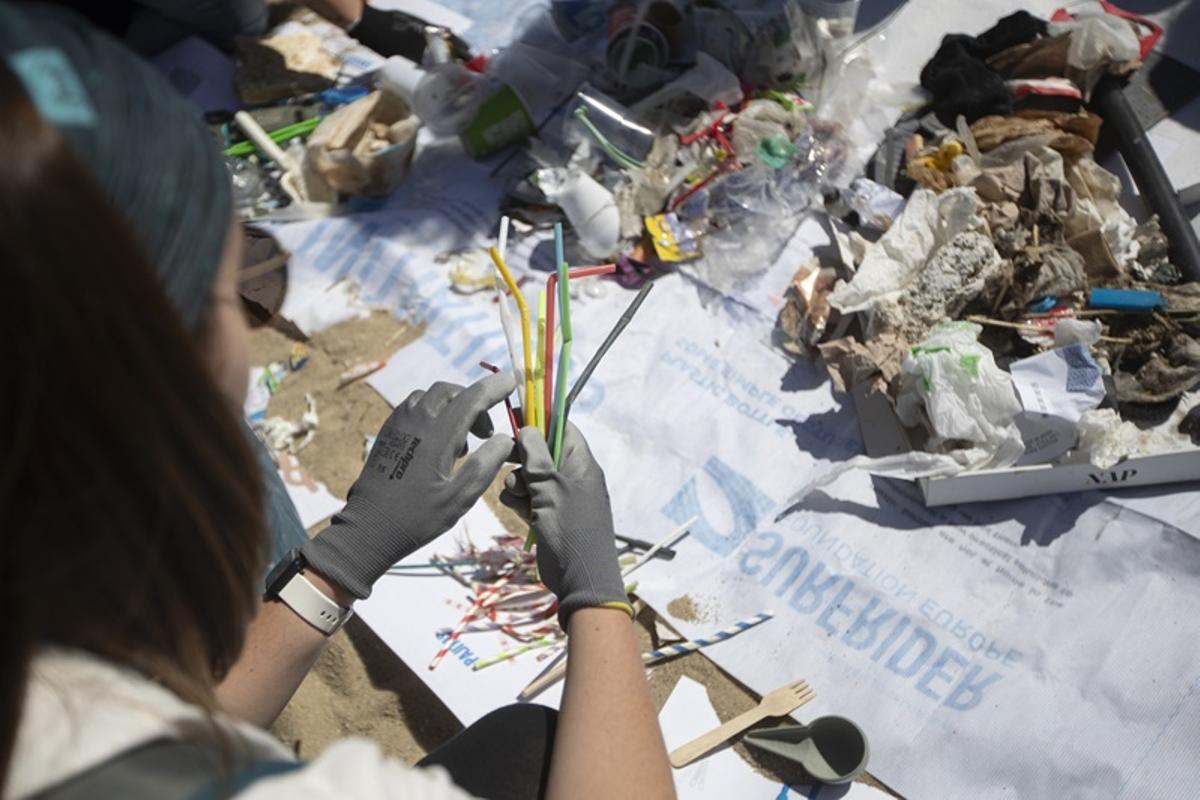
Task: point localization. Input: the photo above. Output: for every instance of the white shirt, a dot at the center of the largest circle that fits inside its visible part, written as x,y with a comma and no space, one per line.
81,711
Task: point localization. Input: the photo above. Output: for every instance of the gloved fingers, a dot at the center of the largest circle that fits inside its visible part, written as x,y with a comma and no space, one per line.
535,455
518,503
433,406
412,401
463,411
514,482
482,427
439,397
577,458
481,468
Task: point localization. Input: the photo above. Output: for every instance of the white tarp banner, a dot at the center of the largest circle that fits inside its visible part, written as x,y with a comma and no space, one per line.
1040,648
1033,649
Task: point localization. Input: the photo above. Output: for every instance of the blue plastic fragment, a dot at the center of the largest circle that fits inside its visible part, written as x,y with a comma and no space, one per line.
1045,304
332,98
1126,299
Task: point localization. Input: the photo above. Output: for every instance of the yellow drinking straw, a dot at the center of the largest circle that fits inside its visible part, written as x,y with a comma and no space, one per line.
529,409
539,372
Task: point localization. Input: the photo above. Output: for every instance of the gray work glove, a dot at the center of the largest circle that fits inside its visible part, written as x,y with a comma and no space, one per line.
569,510
409,492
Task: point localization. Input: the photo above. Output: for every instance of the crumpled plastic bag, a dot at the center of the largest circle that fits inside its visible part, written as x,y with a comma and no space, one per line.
1105,439
1077,331
950,383
1100,44
1098,205
928,222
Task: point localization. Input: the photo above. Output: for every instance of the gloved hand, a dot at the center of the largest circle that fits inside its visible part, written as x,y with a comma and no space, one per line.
394,33
570,513
409,492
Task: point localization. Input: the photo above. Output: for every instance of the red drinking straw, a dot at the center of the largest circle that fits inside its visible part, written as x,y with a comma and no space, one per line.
512,415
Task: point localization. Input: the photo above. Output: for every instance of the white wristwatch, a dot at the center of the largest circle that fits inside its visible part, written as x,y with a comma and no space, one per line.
288,584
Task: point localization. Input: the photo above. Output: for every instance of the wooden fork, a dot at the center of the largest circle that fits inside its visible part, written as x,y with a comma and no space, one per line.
779,703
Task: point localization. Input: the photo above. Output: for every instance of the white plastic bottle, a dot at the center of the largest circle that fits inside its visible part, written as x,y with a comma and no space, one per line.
444,96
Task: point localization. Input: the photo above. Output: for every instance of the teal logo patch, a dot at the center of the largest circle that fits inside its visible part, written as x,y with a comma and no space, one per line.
54,86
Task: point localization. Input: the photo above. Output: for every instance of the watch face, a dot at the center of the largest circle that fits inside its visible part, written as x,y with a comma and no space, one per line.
283,572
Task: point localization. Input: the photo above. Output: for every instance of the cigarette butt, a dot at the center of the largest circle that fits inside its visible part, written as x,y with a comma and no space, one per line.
359,371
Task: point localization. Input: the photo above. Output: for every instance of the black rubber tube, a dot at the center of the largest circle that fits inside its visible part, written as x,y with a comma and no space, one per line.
1109,102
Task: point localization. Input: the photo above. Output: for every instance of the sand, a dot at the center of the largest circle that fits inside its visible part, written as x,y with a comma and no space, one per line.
359,687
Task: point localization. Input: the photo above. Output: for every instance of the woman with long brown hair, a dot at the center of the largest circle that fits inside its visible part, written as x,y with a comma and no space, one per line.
140,653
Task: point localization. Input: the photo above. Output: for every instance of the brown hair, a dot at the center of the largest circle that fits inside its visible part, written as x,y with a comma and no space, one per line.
131,522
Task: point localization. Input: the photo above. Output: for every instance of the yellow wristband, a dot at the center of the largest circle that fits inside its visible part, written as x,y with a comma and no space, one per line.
617,604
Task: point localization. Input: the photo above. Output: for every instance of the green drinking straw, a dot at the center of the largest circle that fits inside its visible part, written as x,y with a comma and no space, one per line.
564,354
280,135
536,644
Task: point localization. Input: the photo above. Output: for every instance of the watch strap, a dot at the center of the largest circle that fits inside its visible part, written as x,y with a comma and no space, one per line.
311,605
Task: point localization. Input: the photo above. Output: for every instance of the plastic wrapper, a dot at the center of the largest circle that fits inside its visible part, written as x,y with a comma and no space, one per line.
1099,43
1105,439
951,387
877,206
751,213
709,81
255,193
929,222
806,312
782,48
950,384
852,90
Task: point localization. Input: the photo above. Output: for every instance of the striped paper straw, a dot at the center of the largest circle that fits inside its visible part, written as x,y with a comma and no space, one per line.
536,644
681,648
477,608
554,674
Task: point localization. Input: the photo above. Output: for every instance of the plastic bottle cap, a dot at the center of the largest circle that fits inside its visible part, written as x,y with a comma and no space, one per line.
400,76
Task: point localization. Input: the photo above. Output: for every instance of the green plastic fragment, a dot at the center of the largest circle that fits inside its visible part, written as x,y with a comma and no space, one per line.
969,363
775,151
